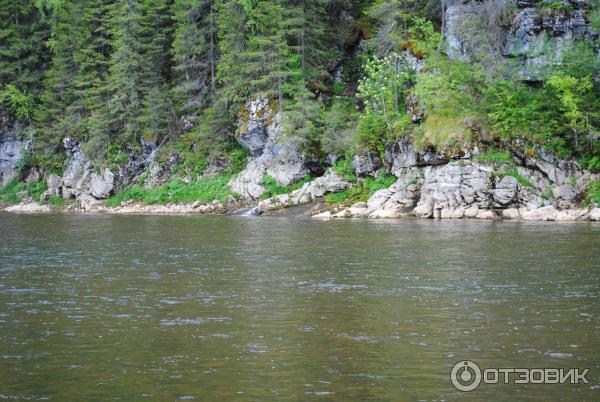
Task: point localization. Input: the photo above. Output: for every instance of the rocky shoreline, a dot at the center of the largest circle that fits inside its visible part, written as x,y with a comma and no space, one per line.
462,182
456,190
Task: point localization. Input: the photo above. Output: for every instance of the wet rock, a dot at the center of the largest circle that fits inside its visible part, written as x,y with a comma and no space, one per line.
254,122
254,139
33,176
87,202
76,175
571,215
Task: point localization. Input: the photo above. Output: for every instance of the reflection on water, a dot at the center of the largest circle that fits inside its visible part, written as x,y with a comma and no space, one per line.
134,308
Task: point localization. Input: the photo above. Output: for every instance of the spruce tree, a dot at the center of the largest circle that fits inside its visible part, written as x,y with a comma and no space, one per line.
194,56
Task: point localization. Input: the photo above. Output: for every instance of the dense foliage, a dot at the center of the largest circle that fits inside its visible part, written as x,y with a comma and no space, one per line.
114,73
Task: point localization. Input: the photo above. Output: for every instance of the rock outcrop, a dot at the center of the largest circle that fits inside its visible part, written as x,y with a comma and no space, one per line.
472,189
79,180
329,183
535,37
12,152
271,153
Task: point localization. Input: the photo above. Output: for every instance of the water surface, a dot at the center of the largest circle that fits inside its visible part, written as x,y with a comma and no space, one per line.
166,308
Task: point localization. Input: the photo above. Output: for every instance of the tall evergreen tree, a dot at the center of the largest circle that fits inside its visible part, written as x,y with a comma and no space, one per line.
23,52
139,67
194,56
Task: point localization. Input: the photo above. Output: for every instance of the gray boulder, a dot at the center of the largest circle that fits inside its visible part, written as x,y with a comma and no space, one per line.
101,185
506,191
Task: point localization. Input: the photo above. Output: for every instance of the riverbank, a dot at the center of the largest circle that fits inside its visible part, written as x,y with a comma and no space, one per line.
318,210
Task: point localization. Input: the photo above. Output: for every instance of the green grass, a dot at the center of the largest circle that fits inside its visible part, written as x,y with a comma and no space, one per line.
273,188
177,191
495,156
9,193
56,201
522,180
593,193
362,191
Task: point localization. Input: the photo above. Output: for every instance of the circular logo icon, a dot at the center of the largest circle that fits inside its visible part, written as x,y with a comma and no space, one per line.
465,375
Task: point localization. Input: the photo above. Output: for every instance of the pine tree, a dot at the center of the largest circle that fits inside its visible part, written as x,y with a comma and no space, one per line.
231,72
140,64
194,56
23,51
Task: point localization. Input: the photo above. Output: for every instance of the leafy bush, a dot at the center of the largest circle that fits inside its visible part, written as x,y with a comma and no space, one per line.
371,131
591,163
343,167
35,190
362,191
593,193
495,156
8,193
55,201
272,187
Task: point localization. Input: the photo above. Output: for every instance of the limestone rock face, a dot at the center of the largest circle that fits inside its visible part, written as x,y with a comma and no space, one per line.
535,40
475,190
505,191
270,152
11,153
453,185
102,185
79,179
367,163
54,183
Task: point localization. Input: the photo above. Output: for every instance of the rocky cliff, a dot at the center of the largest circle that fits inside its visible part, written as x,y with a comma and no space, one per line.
534,36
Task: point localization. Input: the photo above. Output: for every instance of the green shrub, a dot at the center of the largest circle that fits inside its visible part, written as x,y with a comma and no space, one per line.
362,191
593,193
35,190
371,131
272,187
8,193
495,156
343,167
56,201
591,163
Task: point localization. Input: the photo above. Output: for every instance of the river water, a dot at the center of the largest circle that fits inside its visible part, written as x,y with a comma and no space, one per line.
216,308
